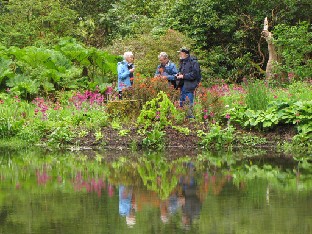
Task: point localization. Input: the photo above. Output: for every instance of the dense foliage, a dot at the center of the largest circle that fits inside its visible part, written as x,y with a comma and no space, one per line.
31,70
226,35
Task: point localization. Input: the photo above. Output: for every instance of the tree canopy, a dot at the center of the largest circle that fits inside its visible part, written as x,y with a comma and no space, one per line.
226,35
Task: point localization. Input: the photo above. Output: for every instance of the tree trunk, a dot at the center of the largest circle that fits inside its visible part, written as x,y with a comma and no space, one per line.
273,58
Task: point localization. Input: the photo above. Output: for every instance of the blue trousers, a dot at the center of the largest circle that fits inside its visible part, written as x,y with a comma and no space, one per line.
185,94
190,96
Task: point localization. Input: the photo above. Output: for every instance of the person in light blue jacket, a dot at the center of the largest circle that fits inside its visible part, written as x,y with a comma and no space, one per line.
166,69
125,71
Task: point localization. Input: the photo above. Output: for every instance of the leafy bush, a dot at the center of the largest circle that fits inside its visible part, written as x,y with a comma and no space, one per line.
154,139
159,110
217,138
31,70
24,23
294,46
211,102
13,114
145,89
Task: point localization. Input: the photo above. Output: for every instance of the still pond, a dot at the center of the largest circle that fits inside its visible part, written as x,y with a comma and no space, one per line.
68,192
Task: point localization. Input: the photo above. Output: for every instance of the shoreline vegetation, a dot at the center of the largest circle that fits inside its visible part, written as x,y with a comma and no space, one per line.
227,118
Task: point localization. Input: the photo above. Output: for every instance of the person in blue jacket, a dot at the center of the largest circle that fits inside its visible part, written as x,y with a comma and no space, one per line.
166,69
125,71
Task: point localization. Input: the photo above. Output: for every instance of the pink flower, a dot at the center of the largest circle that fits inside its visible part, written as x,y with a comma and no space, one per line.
157,115
228,116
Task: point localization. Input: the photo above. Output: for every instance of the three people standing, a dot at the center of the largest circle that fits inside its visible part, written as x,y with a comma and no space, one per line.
187,77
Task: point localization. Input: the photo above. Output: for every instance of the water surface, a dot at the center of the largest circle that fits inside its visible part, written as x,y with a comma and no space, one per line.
44,192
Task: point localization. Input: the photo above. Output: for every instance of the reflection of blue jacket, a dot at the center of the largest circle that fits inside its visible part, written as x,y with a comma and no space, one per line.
123,75
124,200
170,70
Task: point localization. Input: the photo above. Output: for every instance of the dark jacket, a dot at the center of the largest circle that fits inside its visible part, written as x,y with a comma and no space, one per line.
189,67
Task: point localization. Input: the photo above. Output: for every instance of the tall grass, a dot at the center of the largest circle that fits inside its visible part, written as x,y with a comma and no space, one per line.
258,96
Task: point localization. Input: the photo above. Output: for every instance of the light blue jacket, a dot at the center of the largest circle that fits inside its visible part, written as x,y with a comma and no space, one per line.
123,75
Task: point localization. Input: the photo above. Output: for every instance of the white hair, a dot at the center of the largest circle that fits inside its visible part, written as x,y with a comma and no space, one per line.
128,54
162,54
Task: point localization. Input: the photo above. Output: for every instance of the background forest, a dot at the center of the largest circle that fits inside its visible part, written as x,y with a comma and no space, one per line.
61,43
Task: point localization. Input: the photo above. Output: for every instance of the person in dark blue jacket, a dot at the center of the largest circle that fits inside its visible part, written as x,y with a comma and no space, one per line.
166,69
188,77
125,71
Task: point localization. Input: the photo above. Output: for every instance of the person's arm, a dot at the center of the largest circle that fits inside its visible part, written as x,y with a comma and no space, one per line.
173,72
193,74
123,71
157,73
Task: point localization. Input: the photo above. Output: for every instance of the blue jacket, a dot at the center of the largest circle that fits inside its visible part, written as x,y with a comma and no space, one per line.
123,75
191,73
170,70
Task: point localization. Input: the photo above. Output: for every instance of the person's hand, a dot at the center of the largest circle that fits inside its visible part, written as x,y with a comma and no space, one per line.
131,70
179,76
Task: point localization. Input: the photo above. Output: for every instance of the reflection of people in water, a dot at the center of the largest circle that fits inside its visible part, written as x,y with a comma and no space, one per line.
127,204
169,207
192,205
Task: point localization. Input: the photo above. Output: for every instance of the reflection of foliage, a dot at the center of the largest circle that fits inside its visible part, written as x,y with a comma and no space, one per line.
158,175
279,180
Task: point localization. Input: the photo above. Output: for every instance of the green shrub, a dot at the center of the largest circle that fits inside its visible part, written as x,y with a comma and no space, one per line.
159,110
294,47
154,139
217,138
